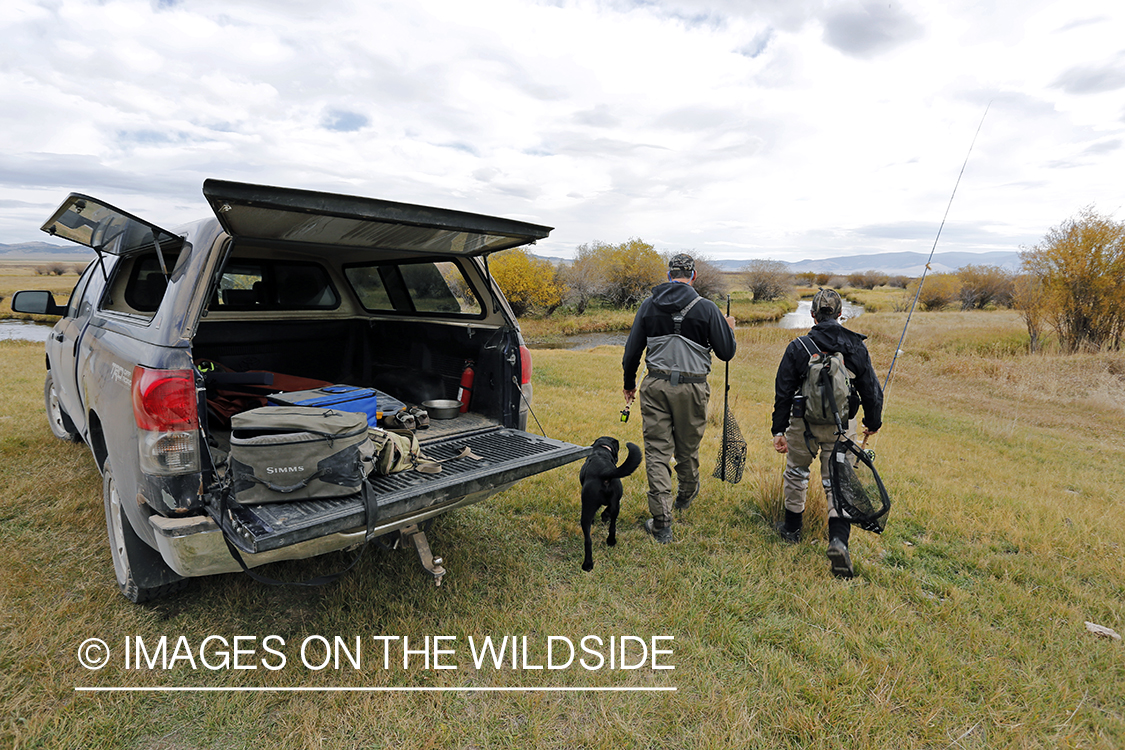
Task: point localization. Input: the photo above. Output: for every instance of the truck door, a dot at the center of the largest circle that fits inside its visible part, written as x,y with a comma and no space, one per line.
62,344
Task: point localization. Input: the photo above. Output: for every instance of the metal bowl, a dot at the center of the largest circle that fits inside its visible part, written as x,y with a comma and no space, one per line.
442,408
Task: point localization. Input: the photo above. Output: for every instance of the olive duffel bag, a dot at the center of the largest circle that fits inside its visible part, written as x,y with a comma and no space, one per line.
286,453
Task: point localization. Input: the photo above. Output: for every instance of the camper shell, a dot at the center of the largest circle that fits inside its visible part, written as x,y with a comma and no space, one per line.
342,289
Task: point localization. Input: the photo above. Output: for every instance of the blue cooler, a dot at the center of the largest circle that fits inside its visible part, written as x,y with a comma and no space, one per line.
350,398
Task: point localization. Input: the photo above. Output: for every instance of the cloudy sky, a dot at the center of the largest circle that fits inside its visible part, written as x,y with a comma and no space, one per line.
783,129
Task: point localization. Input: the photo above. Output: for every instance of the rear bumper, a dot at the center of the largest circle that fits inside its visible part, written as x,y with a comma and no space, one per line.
194,546
497,459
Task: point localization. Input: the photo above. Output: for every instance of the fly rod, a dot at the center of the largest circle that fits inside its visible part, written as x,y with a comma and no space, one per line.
922,280
925,270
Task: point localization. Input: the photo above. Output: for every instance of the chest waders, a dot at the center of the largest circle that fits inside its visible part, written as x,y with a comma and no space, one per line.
676,358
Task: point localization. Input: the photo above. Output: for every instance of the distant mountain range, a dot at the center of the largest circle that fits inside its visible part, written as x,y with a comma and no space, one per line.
44,251
893,264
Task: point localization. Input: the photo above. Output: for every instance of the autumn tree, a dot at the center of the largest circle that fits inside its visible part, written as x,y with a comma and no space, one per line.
624,274
984,285
710,281
767,279
867,279
938,290
630,270
900,282
583,276
1081,265
527,282
1028,298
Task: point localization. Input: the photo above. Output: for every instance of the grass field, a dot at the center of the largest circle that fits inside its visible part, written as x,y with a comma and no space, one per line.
965,626
17,275
546,329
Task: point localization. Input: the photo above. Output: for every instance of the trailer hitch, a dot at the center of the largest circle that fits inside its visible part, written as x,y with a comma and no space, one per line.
433,565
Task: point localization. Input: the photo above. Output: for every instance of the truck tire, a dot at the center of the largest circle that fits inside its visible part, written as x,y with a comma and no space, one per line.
142,574
57,418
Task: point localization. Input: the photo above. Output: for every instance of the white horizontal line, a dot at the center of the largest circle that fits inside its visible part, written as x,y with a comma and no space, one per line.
374,689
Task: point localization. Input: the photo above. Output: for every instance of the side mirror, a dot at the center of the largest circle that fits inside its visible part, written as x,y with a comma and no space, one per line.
36,303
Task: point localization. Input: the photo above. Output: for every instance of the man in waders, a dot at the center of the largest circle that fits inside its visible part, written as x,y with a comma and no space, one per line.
678,330
790,428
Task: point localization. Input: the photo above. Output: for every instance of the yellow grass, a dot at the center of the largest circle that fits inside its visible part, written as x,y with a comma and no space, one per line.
880,299
964,628
18,275
554,328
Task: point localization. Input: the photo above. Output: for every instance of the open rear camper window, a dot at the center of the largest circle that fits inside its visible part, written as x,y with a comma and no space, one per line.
108,229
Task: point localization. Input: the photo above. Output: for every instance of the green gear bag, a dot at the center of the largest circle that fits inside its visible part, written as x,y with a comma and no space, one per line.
286,453
826,388
398,450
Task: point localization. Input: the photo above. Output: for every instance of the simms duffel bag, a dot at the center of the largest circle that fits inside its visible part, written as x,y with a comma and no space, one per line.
285,453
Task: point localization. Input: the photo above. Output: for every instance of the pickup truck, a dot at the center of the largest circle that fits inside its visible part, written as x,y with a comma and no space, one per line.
311,285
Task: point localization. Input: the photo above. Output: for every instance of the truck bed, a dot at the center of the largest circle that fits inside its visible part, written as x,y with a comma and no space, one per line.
404,363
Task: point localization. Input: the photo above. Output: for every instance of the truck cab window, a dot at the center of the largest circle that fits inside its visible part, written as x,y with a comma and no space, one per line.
414,288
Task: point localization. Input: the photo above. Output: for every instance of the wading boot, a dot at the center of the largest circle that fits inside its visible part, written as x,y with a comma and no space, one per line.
790,528
838,532
662,534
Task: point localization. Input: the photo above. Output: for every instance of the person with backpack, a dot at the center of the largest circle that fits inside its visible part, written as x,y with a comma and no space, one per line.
678,330
811,409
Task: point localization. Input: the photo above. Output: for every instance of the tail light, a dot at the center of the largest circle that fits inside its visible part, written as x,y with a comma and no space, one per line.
525,365
167,416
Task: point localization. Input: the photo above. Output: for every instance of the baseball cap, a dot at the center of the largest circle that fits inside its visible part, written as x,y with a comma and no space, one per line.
682,262
828,300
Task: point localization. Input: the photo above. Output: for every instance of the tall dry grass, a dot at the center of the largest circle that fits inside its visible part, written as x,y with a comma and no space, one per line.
554,328
15,276
965,626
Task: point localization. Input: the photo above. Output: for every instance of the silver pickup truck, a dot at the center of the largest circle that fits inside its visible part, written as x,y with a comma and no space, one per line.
304,284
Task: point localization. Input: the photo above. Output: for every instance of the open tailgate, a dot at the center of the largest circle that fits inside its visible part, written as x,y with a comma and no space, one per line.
507,455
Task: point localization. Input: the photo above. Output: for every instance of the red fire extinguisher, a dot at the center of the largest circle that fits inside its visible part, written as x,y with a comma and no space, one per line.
465,392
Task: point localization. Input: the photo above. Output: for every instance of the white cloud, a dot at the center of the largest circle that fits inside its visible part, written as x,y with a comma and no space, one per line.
781,129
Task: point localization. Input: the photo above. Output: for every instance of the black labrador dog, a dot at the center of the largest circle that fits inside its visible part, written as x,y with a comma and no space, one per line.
601,477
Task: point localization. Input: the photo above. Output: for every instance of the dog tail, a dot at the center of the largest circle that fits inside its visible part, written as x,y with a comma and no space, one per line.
632,461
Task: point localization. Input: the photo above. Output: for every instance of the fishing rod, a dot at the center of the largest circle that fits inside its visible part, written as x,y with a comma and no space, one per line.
922,280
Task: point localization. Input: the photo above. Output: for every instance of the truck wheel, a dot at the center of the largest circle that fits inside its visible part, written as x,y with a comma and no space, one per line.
141,572
57,418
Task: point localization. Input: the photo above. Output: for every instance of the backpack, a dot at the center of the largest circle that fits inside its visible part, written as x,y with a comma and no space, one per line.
826,388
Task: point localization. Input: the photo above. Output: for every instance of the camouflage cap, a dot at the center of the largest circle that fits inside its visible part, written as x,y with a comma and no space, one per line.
682,262
827,301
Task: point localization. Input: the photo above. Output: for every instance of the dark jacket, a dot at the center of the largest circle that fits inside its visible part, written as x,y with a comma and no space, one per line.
830,336
704,324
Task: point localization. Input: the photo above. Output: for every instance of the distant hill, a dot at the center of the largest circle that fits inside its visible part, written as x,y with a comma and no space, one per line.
894,264
907,263
44,251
